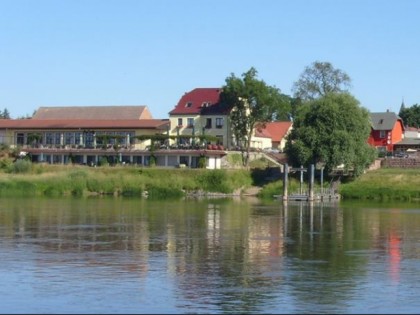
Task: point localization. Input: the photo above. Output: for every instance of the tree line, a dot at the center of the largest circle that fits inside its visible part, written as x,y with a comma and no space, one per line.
330,127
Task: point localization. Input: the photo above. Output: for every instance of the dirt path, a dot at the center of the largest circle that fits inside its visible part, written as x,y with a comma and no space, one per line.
252,191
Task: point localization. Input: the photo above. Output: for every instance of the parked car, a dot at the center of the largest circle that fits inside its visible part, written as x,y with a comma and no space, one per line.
271,150
401,155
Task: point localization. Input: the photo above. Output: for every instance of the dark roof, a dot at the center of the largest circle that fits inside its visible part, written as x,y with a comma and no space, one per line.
93,112
83,123
408,141
200,101
384,121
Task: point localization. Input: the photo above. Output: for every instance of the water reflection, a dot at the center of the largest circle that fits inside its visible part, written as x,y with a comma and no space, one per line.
200,256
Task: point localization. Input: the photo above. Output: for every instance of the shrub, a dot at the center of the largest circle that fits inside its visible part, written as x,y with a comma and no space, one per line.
21,166
234,159
103,161
157,193
214,181
6,164
202,162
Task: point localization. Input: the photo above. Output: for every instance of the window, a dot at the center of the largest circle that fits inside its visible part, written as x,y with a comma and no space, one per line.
77,136
219,140
49,138
180,122
69,138
219,122
189,104
208,123
382,134
190,122
20,139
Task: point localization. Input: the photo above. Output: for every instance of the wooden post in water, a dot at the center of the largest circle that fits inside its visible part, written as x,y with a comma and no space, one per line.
311,182
301,179
285,181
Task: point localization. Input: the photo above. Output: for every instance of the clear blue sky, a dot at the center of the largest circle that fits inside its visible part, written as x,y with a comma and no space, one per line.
134,52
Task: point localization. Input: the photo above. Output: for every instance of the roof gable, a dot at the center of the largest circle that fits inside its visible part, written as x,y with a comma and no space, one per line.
200,101
384,121
93,113
275,130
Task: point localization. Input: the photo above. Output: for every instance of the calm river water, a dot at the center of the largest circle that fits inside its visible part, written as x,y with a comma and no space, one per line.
112,255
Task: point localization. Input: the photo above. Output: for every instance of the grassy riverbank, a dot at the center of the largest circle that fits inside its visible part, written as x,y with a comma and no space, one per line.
384,184
65,180
61,180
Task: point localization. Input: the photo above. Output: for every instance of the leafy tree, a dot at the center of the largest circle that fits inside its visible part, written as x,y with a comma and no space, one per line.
331,130
318,80
251,101
410,115
5,114
282,110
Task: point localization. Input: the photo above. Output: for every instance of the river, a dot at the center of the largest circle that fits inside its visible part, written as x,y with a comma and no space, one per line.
219,256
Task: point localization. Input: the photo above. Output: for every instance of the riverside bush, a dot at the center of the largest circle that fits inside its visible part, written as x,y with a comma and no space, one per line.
156,193
214,181
6,164
21,166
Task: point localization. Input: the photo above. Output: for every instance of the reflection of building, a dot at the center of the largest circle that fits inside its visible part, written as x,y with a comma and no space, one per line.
394,255
266,237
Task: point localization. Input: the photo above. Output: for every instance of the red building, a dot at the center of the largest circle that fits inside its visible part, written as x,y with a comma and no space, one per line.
387,129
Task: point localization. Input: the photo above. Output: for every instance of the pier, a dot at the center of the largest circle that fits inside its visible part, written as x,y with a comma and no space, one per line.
311,194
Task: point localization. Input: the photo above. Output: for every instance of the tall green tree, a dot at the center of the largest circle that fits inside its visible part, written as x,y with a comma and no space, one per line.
319,79
410,115
250,102
331,130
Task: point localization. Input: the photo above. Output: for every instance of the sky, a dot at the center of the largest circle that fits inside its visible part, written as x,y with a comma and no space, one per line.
138,52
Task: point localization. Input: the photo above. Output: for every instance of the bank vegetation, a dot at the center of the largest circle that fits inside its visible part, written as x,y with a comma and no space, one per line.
23,178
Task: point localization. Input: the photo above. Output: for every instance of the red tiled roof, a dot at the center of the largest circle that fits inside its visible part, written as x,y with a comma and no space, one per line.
83,123
93,112
262,133
200,101
275,130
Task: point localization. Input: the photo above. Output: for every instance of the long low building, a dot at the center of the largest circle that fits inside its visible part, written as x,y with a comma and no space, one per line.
91,134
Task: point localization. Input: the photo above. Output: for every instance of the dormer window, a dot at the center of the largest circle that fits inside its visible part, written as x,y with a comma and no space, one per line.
189,104
205,104
381,121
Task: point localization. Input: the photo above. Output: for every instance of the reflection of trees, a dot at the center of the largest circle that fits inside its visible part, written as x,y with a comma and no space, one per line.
223,255
321,237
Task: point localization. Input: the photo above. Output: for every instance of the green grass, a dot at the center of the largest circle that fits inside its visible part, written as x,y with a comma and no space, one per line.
60,180
384,184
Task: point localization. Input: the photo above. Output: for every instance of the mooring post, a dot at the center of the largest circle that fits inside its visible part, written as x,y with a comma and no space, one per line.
311,182
301,179
322,180
285,181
